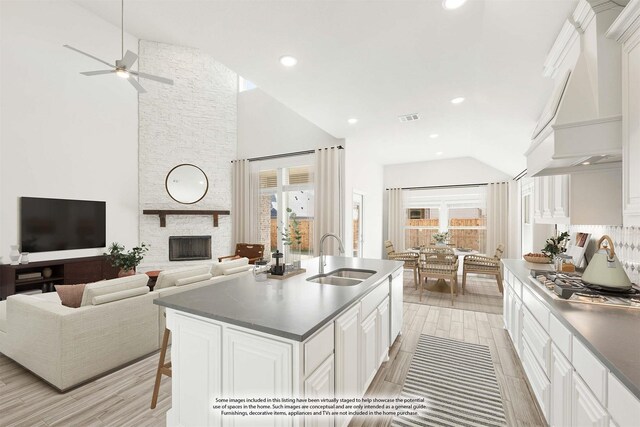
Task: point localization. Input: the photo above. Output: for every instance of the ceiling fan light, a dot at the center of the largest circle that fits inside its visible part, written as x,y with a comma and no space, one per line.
122,73
452,4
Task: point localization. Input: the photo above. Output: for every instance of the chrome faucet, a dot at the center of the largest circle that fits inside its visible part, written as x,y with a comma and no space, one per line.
322,259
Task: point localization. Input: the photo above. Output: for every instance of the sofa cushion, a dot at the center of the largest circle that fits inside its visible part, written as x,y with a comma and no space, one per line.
219,268
236,270
193,279
70,295
167,278
3,316
117,296
114,285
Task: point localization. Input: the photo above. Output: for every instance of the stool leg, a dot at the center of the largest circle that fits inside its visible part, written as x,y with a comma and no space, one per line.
163,354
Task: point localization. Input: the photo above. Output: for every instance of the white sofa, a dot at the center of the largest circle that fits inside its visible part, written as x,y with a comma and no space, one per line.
116,324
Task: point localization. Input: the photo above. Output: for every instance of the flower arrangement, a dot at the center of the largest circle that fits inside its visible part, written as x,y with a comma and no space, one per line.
441,237
556,245
126,261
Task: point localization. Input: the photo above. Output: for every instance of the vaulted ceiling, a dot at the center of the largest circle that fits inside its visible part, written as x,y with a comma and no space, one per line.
376,60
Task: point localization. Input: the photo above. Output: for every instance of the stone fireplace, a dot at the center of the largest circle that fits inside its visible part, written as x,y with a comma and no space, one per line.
189,248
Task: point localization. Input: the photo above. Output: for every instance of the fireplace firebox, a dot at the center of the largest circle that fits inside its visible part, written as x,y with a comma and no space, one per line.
189,248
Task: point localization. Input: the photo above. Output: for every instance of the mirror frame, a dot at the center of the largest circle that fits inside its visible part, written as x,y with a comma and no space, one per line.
166,183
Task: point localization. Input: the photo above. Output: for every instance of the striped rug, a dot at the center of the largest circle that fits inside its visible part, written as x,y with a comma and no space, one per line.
458,383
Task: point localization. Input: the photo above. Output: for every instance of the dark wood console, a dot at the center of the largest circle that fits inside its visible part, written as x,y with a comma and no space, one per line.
63,271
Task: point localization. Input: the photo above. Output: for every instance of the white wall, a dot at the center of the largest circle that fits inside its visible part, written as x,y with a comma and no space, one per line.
463,170
64,135
192,121
267,127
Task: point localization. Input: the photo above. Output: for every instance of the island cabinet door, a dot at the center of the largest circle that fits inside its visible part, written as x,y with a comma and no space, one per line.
320,384
256,366
196,371
369,349
383,331
347,354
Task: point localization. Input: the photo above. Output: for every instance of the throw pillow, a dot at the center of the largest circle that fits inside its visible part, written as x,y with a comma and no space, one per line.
70,295
219,268
193,279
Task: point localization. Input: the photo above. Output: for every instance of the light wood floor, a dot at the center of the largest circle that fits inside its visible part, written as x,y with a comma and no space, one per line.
123,398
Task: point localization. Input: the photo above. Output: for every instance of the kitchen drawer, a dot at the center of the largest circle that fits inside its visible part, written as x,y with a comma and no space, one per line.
622,405
538,340
517,287
590,369
536,307
560,336
374,298
318,348
537,379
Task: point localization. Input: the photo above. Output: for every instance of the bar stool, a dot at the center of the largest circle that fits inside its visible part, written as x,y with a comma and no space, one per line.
163,368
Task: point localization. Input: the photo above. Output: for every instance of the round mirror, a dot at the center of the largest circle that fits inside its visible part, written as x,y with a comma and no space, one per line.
186,184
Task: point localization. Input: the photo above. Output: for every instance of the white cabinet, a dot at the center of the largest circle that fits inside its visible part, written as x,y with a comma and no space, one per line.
369,348
320,384
551,199
396,306
585,408
561,377
347,352
382,322
537,378
626,31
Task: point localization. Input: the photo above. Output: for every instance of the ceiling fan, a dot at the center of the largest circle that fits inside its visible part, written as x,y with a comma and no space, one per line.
122,67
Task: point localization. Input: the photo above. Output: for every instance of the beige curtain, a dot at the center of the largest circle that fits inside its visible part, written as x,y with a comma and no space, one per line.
395,218
243,203
497,216
329,197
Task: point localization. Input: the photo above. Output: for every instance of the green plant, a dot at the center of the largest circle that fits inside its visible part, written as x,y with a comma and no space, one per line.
441,237
126,260
292,236
556,245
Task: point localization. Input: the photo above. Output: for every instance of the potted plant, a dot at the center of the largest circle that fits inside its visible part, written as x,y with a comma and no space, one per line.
554,247
441,238
126,261
292,237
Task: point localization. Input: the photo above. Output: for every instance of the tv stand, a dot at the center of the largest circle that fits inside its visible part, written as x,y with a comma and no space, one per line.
68,271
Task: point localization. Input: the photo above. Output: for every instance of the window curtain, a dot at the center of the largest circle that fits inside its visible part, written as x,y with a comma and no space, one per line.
396,218
244,203
497,216
329,198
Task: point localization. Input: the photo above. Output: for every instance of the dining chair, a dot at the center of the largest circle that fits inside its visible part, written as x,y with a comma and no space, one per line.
480,264
438,262
410,259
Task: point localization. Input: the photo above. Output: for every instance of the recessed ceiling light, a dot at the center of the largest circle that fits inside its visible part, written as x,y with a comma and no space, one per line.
352,121
288,61
586,163
439,153
433,135
452,4
458,100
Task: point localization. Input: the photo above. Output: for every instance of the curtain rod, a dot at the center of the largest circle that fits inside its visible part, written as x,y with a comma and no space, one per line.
520,175
431,187
292,154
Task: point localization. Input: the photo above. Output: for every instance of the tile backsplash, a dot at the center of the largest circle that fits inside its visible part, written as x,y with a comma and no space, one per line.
626,242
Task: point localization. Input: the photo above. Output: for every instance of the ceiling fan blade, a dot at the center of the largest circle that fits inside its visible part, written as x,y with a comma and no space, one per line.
97,73
135,84
129,59
152,77
90,56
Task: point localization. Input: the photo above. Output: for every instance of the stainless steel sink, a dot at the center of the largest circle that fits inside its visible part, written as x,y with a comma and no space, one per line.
342,277
352,273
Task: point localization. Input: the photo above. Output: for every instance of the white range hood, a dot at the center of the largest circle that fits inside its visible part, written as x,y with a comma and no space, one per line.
581,126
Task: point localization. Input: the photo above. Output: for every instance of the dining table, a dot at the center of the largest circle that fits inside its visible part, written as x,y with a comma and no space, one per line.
441,284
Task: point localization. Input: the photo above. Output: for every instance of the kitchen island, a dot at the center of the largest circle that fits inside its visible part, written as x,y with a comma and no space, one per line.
582,360
281,338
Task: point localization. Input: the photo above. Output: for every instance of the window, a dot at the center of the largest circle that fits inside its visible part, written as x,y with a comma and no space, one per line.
459,211
286,184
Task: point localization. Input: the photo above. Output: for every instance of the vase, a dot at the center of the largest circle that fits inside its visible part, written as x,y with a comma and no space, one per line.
295,256
14,255
125,273
24,258
47,272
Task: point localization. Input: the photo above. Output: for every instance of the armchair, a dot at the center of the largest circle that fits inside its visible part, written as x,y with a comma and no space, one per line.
480,264
410,259
254,252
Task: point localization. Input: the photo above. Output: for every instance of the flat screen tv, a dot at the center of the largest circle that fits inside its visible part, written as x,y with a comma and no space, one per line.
58,225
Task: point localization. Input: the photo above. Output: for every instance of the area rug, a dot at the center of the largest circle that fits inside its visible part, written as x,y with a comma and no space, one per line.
458,383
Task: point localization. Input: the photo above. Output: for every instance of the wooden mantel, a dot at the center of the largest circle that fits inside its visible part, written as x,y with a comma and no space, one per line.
162,213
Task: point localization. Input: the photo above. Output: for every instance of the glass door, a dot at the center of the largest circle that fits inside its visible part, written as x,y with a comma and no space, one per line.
358,233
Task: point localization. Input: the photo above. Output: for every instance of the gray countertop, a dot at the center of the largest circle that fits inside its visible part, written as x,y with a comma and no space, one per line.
292,308
611,333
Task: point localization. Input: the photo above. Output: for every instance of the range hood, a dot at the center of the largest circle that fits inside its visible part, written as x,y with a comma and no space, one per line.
581,125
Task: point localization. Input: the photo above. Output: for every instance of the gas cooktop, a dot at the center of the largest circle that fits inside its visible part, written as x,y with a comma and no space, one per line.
570,287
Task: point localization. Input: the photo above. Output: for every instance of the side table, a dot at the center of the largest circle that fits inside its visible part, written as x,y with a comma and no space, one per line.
153,276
